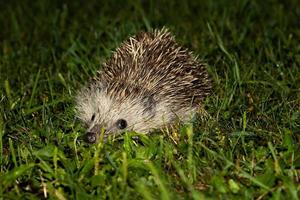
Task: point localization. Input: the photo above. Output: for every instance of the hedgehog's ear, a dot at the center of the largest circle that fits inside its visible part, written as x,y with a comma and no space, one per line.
149,104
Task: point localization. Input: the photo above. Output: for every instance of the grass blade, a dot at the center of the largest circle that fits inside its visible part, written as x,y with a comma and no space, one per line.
33,92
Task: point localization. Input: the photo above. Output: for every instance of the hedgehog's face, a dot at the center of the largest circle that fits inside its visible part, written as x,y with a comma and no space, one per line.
100,113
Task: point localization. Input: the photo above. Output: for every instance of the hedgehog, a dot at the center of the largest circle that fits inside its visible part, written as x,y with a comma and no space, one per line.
148,82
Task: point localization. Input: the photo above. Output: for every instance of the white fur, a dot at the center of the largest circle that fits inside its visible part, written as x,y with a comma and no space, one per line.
107,111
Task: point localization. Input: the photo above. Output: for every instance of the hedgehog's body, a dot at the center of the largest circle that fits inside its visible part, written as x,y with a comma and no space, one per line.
148,82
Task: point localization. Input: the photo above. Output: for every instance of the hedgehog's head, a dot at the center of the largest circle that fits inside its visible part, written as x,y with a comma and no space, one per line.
114,113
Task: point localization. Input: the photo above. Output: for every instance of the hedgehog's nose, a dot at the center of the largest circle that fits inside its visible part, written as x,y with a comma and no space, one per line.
91,137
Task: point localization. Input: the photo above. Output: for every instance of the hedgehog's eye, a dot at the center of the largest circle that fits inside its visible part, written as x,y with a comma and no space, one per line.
121,123
93,117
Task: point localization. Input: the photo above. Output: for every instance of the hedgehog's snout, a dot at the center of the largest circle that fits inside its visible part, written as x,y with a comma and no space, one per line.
91,137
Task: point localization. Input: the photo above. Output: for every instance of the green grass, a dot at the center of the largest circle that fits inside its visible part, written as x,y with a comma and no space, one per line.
249,148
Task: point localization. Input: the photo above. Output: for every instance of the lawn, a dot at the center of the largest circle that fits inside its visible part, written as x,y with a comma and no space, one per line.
247,148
